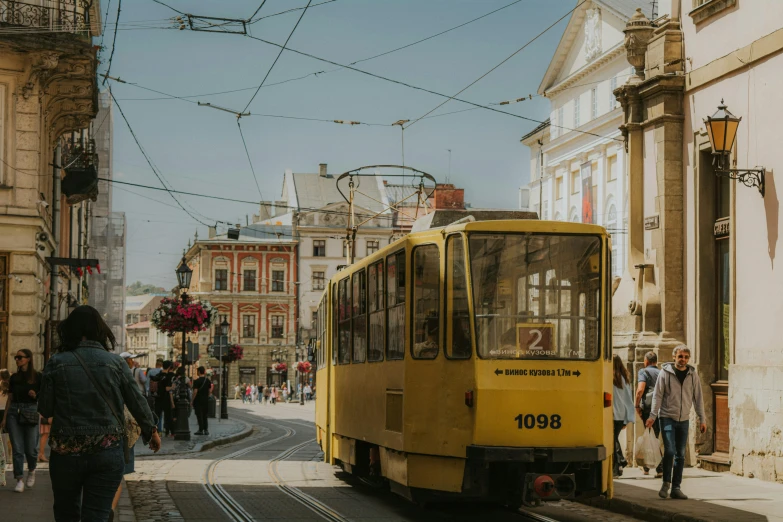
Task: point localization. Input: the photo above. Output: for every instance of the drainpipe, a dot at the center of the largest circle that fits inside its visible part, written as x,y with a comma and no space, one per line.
53,280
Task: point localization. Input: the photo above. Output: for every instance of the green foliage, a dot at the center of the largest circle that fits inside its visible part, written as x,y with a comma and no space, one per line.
139,288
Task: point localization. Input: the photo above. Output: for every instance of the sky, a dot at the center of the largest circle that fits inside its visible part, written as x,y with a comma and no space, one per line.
199,149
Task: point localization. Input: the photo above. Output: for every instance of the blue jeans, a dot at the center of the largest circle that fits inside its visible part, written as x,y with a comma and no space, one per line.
24,440
84,486
675,438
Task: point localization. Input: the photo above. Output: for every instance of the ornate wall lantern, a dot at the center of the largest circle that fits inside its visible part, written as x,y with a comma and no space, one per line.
722,130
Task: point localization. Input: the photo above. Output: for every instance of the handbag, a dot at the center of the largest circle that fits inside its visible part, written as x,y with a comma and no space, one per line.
121,421
26,415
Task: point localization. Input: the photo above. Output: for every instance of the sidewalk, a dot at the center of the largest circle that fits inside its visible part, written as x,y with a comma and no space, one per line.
220,432
713,497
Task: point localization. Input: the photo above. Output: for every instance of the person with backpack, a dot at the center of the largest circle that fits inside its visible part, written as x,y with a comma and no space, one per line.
647,379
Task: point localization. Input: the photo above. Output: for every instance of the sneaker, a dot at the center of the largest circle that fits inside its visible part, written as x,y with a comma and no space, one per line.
19,486
31,478
206,432
199,433
664,492
646,471
678,494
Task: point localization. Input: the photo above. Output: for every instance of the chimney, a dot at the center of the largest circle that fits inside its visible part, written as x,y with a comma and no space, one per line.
446,196
212,232
322,169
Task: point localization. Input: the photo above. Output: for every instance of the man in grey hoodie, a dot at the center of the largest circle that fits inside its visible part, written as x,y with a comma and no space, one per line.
678,388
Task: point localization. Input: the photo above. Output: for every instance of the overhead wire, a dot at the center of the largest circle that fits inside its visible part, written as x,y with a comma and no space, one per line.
149,162
114,40
474,82
278,54
437,34
251,21
247,153
309,210
418,88
257,10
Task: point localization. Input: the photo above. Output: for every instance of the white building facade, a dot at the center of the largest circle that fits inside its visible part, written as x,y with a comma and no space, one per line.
577,157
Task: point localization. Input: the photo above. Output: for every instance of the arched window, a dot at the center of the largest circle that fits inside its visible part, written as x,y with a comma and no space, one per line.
558,216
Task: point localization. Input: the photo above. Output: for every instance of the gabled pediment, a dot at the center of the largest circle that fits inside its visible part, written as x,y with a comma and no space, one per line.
594,29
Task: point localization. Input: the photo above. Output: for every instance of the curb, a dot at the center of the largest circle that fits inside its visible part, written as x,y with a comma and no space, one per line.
649,514
204,446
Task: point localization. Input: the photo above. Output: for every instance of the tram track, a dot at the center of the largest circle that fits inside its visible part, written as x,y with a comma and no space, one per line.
236,512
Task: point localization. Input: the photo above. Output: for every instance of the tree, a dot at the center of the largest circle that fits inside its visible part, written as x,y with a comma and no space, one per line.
139,288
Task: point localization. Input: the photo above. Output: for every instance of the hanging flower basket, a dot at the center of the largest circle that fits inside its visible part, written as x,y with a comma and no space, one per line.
175,315
303,367
235,353
279,367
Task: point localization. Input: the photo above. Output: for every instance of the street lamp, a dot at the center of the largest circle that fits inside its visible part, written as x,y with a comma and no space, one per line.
722,130
182,428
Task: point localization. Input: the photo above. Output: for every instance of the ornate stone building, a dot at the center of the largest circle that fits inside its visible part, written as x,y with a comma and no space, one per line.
252,282
48,90
702,246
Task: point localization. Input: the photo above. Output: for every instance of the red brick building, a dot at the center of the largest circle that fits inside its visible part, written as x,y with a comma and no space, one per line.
252,283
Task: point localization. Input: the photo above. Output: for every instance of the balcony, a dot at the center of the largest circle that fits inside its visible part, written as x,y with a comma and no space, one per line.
49,16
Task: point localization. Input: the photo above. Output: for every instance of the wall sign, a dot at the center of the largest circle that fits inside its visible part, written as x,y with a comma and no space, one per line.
652,222
721,228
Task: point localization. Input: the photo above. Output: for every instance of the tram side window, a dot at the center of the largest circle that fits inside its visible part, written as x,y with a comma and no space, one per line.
426,302
395,304
375,336
457,315
344,322
359,317
335,337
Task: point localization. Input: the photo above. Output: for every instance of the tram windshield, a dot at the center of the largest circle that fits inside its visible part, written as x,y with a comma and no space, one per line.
536,296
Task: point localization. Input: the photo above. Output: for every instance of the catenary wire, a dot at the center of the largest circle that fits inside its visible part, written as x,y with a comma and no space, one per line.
435,35
307,210
257,10
105,21
114,40
149,162
247,153
317,73
423,89
287,11
474,82
278,54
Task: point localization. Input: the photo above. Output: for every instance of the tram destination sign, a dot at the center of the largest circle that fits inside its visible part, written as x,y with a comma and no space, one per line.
533,372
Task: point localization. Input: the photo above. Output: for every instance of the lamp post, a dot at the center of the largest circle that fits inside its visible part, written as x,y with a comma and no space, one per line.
182,428
224,374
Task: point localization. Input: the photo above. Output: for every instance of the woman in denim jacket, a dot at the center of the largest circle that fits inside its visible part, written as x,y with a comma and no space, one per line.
87,460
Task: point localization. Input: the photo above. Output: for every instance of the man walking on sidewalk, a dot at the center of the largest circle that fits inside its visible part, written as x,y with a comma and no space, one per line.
648,377
678,388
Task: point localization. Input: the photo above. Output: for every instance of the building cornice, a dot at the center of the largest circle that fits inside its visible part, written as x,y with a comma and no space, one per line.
610,55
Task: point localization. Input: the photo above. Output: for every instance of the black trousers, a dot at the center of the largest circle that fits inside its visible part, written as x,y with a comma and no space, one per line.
619,458
201,408
163,407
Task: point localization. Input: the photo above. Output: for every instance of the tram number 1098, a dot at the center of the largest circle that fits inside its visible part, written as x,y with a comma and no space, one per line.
541,421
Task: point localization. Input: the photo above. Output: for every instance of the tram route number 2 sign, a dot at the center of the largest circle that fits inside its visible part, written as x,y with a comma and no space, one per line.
535,339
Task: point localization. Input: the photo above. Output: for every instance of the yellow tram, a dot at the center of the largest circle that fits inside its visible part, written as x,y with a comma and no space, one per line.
472,361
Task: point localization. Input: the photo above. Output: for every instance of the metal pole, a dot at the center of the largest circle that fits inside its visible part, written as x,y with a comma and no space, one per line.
53,281
224,376
182,429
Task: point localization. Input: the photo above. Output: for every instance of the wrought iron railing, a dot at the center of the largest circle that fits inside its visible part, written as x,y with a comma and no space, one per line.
46,16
